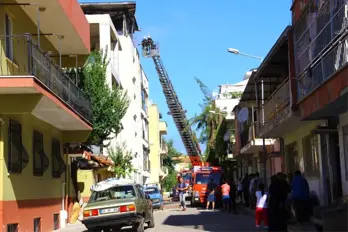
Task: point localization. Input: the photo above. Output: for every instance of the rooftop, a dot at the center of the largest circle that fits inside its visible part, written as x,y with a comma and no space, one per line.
114,9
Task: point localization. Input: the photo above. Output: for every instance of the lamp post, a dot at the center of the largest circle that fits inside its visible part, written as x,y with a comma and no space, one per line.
237,52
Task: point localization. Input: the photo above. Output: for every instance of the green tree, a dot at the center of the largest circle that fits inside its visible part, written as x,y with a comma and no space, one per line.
169,162
109,105
210,125
123,161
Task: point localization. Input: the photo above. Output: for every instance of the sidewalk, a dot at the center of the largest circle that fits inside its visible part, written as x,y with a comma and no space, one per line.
293,226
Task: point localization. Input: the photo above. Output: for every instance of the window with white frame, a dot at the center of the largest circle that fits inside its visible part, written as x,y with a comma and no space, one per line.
345,149
310,145
8,34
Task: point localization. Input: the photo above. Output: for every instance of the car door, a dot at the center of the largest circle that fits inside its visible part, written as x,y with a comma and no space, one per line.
140,201
144,202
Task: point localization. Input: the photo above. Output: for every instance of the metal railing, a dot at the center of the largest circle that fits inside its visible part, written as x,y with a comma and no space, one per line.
326,67
29,59
164,148
316,30
276,108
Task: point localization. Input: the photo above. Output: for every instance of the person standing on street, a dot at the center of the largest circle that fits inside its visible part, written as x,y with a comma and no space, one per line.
226,196
182,189
211,194
233,195
240,190
261,214
301,197
246,183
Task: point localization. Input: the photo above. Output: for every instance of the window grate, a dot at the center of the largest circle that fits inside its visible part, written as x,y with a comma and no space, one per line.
37,224
56,221
12,227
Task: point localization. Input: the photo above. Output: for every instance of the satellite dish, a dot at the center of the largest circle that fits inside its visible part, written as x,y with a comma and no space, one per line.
243,114
227,135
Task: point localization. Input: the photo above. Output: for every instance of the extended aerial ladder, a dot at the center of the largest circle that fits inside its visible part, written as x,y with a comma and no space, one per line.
187,136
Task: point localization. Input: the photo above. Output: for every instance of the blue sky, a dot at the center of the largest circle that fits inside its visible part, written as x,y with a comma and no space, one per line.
194,36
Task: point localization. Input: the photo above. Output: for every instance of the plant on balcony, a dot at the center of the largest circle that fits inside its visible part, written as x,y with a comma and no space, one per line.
209,125
109,105
123,161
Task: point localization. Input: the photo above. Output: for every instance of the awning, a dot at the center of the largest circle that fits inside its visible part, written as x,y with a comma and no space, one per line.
272,71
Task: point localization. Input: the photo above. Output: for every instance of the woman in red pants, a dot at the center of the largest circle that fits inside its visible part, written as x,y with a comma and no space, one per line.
261,207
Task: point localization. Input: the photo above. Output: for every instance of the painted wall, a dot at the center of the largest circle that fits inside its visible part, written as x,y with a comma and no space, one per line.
343,152
315,183
131,78
24,196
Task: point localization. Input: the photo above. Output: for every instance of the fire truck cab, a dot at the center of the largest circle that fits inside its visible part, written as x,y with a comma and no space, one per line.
200,179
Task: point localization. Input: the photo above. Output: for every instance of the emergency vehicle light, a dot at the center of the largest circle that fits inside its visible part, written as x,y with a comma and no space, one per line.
206,168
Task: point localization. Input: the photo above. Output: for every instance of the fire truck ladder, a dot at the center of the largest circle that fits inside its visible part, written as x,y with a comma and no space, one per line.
175,108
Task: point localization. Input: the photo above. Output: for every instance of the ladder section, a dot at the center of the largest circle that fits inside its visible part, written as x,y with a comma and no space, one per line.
177,112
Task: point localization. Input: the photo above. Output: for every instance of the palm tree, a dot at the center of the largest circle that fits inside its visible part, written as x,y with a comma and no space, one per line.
207,123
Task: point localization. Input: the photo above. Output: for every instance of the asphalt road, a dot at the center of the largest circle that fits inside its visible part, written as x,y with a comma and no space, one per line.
192,220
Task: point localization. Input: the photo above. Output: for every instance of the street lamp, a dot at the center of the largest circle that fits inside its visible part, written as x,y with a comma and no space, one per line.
237,52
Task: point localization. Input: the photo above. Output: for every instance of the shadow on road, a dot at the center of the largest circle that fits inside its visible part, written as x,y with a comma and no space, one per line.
212,221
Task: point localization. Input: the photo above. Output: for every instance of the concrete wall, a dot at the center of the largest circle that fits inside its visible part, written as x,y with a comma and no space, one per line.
316,183
154,134
25,196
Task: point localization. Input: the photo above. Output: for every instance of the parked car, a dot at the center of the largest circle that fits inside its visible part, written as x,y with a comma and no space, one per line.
155,196
114,204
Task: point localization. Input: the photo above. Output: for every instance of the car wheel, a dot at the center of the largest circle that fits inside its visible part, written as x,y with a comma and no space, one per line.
151,223
140,227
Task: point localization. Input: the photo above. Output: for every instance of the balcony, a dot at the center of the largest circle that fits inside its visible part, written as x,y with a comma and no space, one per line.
163,128
163,148
279,117
163,172
315,34
37,80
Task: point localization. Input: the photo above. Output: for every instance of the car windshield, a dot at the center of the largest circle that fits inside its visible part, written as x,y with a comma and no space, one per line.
187,176
116,192
151,190
204,178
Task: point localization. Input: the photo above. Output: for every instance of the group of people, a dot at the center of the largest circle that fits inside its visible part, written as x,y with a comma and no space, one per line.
147,44
272,208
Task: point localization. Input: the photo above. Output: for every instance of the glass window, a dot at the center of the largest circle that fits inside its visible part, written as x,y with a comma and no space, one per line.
117,192
311,155
204,178
151,190
345,147
9,42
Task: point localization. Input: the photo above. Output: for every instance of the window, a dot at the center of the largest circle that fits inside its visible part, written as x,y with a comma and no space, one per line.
204,178
41,162
151,190
143,99
12,227
17,155
140,191
292,157
37,224
311,156
113,193
8,33
58,165
345,148
56,221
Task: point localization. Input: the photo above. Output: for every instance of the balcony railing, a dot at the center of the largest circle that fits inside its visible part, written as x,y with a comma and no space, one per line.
327,65
316,30
164,148
29,59
248,134
275,108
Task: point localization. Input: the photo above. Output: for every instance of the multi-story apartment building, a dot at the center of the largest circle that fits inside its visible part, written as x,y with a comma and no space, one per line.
158,147
320,39
41,109
112,27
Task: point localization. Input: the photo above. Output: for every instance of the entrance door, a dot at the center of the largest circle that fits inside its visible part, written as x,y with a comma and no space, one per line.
292,157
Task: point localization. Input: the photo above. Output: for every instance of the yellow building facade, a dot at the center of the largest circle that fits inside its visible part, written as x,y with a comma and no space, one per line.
41,110
158,148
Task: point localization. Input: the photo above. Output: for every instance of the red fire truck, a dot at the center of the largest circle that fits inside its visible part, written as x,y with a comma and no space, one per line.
200,179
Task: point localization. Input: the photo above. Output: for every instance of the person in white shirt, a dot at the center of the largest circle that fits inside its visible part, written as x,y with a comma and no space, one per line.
261,207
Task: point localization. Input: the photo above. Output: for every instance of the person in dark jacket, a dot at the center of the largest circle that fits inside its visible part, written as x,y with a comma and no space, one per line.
246,183
277,214
301,197
233,194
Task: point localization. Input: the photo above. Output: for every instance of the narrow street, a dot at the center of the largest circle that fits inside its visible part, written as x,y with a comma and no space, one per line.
174,220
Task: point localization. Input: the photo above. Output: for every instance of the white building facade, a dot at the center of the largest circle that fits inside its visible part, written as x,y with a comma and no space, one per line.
112,30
